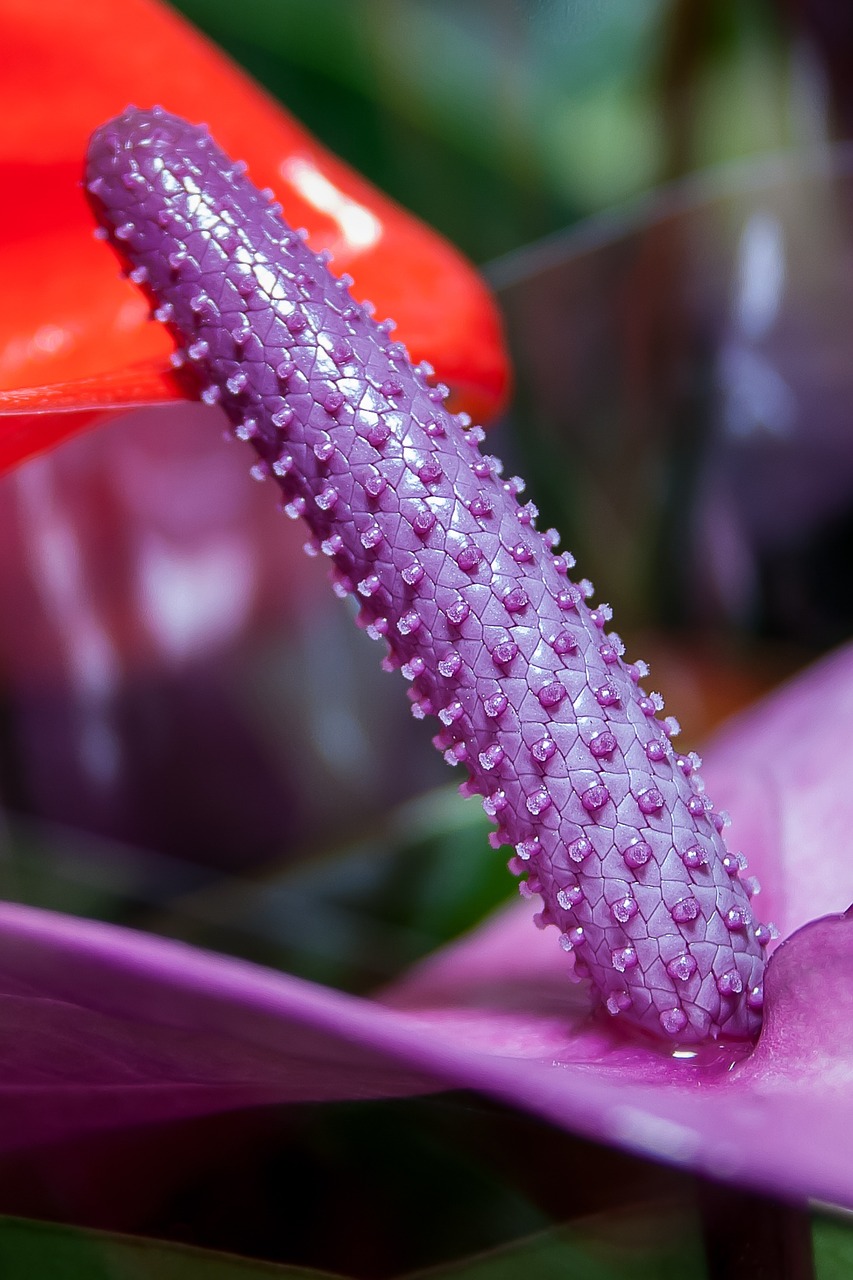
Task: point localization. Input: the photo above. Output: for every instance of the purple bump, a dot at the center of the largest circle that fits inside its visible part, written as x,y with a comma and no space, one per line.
730,983
579,849
637,854
673,1021
496,705
359,449
623,959
650,801
491,757
563,642
504,652
606,694
539,801
516,600
595,797
470,558
682,968
551,695
449,665
544,749
623,909
457,613
737,918
685,911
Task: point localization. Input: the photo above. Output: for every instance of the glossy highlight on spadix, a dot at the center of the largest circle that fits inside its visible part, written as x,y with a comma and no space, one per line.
533,693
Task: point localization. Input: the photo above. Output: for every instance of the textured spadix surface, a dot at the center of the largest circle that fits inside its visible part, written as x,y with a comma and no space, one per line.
533,694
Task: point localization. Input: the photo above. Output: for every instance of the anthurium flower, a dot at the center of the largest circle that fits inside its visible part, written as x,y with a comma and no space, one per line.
154,1029
75,344
151,1029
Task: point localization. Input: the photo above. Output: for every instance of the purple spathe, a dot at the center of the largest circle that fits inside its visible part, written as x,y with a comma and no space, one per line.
609,824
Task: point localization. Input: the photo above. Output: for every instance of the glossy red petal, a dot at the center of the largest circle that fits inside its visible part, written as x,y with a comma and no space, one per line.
69,322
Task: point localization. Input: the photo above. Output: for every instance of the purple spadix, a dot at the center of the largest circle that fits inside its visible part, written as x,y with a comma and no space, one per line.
534,696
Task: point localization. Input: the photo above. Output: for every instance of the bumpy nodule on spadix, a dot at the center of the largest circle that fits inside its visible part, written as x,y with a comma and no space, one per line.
533,694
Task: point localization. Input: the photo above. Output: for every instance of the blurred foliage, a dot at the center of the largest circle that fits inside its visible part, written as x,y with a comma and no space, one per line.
499,122
352,917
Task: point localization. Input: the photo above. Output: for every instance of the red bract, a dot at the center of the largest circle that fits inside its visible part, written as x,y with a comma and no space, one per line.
75,344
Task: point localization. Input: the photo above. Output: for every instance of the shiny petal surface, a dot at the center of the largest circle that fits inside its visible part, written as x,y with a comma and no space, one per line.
151,1030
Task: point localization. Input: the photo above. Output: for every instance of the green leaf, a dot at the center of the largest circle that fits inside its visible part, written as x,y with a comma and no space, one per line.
29,1249
832,1239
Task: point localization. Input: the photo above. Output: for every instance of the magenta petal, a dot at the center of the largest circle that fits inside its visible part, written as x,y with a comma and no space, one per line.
102,1026
782,769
